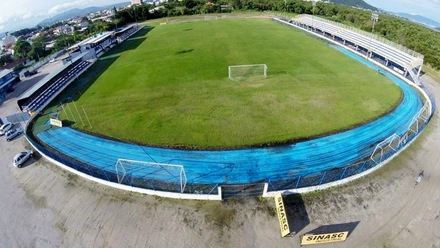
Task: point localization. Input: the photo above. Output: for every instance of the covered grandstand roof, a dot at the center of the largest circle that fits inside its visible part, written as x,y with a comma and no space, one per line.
47,78
6,78
5,72
124,29
91,40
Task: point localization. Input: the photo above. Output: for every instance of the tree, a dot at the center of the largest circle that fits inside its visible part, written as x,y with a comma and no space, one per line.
38,49
22,48
6,59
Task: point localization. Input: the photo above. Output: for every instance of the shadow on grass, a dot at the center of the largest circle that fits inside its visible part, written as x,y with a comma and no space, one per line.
68,123
184,51
74,90
278,73
296,212
133,42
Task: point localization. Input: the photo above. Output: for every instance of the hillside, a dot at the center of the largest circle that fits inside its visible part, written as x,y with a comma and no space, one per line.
78,12
355,3
418,19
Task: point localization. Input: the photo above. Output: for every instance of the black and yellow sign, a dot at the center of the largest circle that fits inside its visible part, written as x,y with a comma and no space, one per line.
282,217
323,238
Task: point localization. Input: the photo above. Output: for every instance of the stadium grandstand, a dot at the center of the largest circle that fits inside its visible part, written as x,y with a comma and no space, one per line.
103,41
7,80
123,33
395,57
36,98
99,43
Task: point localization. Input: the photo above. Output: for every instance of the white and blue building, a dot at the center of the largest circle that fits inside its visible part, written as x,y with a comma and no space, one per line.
7,79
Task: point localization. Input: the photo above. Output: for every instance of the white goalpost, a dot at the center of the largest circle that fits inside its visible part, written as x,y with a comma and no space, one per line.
244,72
127,169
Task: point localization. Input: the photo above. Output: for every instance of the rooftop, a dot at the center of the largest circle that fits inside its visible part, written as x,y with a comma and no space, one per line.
5,72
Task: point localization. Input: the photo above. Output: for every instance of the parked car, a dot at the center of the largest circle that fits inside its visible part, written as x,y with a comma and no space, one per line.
9,135
21,157
5,127
30,73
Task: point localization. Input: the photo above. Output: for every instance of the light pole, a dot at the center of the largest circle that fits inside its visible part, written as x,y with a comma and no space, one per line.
135,16
313,11
285,7
374,18
66,44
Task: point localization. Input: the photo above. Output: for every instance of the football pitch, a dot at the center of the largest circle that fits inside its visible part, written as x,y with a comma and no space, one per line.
168,86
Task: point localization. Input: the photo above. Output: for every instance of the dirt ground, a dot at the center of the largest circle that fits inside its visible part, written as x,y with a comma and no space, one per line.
44,206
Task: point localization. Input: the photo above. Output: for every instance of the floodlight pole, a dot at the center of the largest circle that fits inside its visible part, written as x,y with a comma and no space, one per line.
285,7
374,18
313,12
135,16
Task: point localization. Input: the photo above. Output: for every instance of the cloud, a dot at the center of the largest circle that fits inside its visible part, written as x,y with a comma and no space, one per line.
55,9
27,16
7,19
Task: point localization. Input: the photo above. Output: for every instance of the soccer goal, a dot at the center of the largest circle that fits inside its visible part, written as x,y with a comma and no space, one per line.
245,72
160,176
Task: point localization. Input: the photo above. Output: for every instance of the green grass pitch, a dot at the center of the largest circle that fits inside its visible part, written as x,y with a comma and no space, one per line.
169,86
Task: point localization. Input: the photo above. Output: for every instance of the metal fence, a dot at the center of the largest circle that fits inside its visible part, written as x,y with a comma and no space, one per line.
385,151
296,182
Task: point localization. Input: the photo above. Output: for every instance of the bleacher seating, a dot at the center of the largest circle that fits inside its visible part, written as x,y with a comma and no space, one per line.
36,102
361,39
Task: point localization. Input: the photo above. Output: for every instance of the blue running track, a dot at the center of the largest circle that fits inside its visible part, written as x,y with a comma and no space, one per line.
247,165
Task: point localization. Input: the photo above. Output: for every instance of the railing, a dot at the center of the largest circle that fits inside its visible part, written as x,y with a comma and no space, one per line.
368,34
384,150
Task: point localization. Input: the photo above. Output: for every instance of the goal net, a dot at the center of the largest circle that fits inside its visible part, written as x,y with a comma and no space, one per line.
245,72
159,175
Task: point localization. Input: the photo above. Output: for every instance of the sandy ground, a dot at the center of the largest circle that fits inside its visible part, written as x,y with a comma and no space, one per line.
44,206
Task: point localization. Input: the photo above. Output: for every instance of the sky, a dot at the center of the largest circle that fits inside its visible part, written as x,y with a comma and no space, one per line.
19,14
425,8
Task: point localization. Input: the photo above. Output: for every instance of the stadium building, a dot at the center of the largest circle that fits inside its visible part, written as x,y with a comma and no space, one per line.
133,2
7,80
100,43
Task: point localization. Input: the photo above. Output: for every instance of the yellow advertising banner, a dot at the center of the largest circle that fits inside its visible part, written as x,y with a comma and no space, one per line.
323,238
282,217
56,122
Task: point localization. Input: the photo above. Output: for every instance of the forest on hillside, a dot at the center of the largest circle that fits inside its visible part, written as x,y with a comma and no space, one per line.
411,35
